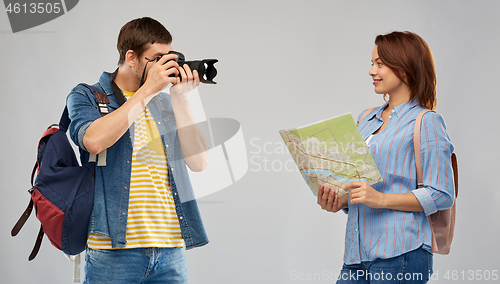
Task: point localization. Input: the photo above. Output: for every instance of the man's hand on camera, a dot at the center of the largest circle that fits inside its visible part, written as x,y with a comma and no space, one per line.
187,81
159,74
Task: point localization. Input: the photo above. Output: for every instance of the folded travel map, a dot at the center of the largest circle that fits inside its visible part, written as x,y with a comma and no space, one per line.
331,152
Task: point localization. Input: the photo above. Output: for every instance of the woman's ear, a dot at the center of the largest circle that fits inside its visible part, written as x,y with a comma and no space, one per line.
403,77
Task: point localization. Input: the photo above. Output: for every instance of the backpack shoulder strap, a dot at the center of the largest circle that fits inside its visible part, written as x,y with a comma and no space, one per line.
416,145
418,161
454,165
367,112
102,102
102,98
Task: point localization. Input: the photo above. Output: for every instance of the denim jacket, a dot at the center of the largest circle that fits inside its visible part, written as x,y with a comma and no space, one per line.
112,182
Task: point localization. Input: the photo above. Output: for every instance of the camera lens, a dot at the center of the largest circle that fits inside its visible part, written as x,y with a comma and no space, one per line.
206,69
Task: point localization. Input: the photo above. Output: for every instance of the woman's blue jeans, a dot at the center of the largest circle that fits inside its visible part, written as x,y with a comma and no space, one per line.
412,267
136,266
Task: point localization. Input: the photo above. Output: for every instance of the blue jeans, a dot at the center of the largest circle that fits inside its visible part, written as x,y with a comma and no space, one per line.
411,267
136,266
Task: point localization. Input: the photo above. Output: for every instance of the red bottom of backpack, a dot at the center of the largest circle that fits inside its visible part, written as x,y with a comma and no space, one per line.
51,218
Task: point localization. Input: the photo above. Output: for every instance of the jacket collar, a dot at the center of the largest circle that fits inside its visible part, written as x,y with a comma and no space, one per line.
105,82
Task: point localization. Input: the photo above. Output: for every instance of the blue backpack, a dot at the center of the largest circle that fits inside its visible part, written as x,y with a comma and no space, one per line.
63,190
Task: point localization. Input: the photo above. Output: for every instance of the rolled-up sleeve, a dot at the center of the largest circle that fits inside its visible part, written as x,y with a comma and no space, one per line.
82,112
436,149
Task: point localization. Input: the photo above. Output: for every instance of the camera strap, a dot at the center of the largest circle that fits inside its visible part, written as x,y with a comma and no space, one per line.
144,72
118,92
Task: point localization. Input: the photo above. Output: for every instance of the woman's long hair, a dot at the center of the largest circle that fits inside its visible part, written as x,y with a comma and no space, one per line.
409,56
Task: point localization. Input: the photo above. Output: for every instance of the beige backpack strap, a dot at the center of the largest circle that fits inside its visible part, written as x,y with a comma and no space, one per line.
454,165
420,175
416,143
367,112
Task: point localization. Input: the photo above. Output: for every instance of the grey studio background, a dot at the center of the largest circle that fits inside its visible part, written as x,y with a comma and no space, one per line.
283,64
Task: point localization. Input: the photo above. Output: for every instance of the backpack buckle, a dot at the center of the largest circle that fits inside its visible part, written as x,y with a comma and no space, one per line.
103,109
31,190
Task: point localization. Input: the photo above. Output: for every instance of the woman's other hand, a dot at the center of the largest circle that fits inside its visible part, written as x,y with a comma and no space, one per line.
329,200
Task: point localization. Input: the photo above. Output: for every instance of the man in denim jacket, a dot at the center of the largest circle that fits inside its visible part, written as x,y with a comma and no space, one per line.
139,41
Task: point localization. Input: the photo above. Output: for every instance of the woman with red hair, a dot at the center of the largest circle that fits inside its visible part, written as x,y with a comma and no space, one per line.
388,236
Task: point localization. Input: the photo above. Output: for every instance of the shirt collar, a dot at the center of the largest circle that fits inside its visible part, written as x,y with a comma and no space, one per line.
403,108
396,111
378,112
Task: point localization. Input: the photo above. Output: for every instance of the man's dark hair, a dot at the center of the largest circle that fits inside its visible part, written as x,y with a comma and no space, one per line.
136,34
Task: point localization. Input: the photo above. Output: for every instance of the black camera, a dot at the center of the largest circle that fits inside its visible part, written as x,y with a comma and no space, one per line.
206,69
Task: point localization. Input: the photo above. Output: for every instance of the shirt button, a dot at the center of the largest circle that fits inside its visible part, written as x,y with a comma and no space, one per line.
125,187
123,213
180,218
128,162
175,193
166,145
159,122
390,116
172,169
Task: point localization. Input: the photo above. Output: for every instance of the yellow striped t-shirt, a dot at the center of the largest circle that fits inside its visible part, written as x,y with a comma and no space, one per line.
152,219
